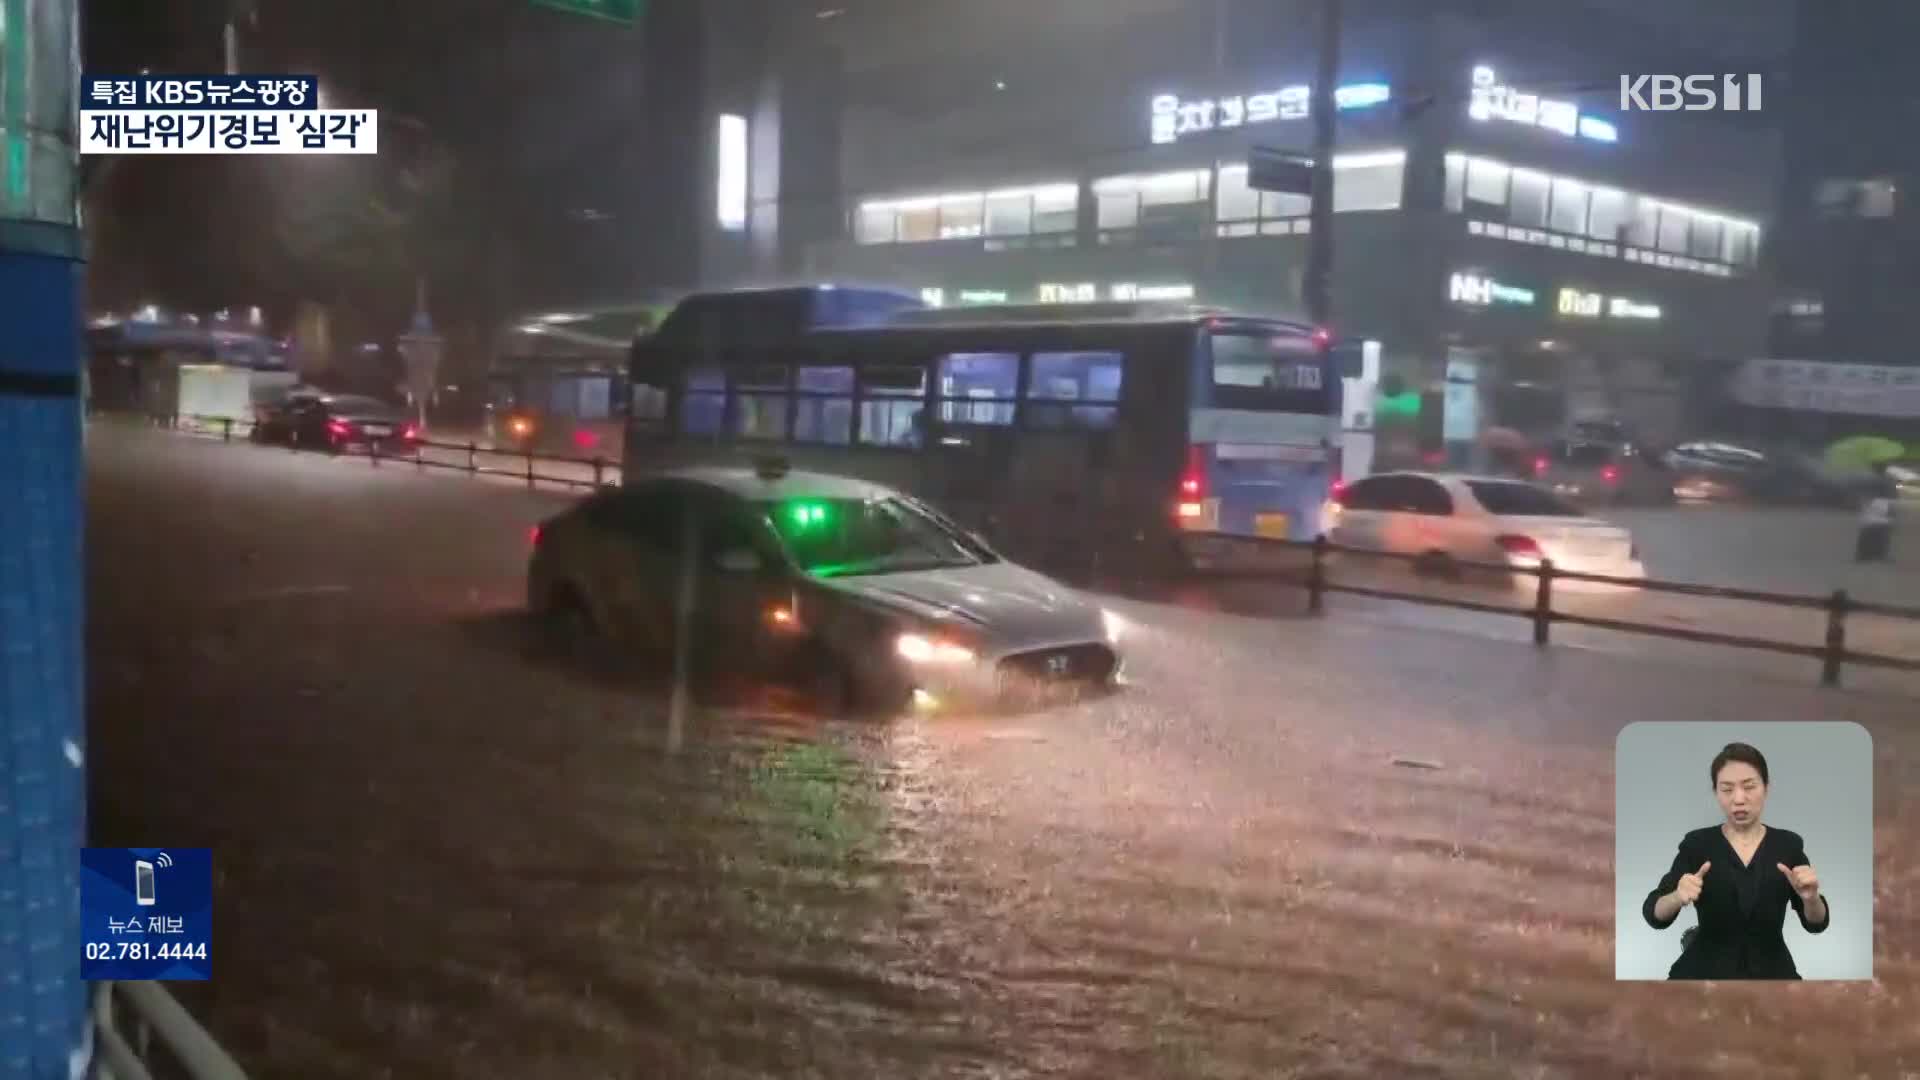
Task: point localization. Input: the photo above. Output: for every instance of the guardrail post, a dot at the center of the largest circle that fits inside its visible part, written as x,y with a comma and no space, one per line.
1836,654
1543,604
1317,577
599,469
529,466
226,429
472,451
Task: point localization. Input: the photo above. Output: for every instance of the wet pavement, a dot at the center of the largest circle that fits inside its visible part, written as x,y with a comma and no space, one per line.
439,854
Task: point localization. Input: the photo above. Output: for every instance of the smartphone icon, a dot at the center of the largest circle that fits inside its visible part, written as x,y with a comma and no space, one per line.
143,882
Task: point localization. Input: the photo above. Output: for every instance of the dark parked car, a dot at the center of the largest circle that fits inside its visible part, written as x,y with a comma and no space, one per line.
1724,472
1605,473
336,423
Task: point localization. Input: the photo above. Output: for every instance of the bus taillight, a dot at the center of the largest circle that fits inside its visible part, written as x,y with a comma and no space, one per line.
1193,485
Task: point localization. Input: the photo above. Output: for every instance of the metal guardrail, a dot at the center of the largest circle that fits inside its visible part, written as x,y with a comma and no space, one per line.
155,1018
1833,652
227,428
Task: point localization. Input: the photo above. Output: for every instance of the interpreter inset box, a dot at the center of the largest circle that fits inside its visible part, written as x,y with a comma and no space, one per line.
1743,851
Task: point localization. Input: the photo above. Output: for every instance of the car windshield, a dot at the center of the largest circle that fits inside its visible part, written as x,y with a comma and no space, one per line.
844,537
1509,499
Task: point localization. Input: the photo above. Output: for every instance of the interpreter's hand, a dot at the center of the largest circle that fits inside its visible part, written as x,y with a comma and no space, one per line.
1687,889
1803,879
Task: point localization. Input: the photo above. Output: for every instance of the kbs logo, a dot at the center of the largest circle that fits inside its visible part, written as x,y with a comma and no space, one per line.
1690,93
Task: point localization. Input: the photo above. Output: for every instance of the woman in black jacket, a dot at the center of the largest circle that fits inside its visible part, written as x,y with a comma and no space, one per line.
1741,875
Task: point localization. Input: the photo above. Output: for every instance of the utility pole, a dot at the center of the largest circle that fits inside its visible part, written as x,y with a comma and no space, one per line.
43,1002
1318,282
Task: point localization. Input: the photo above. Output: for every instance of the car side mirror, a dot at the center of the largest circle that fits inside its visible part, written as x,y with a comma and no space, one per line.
738,561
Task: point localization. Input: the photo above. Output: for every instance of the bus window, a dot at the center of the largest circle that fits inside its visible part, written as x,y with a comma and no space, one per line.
1074,389
893,412
649,404
979,388
760,402
1270,372
823,405
703,409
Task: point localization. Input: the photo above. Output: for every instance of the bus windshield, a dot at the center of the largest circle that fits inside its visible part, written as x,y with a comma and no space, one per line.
1278,372
847,537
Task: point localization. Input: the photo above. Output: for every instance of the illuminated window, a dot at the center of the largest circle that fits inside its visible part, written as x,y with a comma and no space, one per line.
873,224
1708,238
823,405
979,388
760,403
1486,184
1456,187
893,409
1673,230
1568,213
1643,228
1010,215
703,407
961,217
1527,205
1074,389
1607,214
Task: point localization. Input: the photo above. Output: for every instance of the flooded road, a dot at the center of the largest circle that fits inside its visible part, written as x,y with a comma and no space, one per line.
1290,848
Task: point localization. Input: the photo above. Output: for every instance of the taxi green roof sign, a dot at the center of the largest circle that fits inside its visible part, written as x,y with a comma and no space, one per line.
620,11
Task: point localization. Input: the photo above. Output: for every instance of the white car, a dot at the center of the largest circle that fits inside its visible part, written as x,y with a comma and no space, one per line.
1445,520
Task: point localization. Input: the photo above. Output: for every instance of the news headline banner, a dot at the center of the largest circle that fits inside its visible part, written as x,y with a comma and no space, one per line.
218,114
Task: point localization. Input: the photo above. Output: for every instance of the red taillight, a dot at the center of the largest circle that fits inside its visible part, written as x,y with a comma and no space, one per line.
1611,474
338,427
1518,545
1193,482
533,536
585,440
410,433
1338,491
1540,466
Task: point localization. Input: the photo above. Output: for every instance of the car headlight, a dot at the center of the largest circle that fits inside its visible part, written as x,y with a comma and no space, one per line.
920,649
1116,625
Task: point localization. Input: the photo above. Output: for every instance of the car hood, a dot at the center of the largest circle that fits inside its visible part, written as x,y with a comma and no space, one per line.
1000,608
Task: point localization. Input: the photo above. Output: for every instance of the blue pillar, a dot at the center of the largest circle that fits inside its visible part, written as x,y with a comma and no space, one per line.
43,1032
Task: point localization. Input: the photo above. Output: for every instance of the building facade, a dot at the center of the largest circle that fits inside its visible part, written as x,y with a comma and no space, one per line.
1522,250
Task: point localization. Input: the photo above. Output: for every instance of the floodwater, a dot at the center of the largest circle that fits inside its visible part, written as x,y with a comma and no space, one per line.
1289,848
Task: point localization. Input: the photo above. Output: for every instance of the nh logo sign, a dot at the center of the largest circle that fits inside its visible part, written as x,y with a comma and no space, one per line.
1690,93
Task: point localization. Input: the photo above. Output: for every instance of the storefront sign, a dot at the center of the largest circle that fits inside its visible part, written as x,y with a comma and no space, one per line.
1131,291
1584,304
982,296
1590,305
1171,117
1492,100
1481,291
1081,293
1856,389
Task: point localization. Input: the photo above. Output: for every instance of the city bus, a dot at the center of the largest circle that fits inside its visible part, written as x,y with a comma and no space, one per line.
1100,436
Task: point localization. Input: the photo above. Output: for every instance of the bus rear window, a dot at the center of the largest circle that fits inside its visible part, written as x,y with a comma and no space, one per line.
1281,372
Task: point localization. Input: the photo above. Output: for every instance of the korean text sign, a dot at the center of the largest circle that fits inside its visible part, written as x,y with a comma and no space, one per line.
146,913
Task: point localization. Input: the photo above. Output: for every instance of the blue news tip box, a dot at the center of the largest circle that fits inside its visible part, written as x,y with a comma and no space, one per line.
146,913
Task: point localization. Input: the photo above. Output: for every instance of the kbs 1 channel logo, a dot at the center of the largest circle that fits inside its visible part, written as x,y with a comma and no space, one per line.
218,114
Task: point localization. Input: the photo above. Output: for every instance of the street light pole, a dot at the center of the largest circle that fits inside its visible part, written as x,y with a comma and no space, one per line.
1318,282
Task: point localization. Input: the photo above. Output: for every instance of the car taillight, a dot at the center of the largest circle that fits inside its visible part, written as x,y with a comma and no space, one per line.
1540,466
1610,474
1518,545
1338,491
533,536
338,427
410,432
